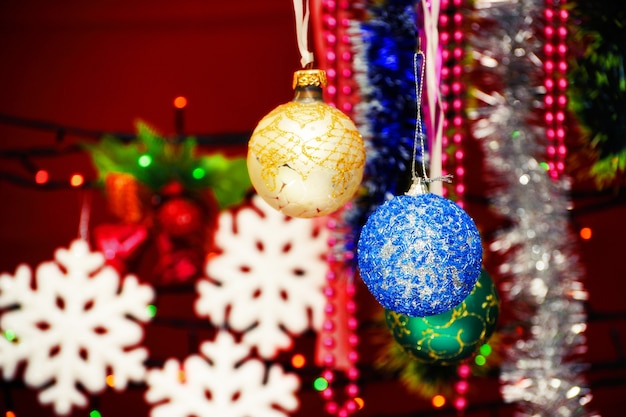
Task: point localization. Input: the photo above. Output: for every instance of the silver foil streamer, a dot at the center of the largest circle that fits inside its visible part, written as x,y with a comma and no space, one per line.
542,371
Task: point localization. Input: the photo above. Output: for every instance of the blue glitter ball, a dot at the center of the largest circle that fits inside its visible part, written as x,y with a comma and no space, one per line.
419,255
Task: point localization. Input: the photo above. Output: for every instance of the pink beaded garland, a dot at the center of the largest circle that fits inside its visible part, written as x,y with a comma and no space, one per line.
336,259
352,389
339,93
555,68
462,386
452,88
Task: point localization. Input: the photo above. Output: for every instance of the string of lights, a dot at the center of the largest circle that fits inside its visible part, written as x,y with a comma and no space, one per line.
61,132
67,140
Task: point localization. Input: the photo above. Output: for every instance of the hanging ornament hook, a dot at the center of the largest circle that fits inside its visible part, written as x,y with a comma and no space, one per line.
418,185
419,134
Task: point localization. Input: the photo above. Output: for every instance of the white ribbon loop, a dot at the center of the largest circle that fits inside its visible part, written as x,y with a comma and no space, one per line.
430,9
301,10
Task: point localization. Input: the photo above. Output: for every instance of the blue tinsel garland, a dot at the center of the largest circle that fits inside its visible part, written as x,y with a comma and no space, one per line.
389,102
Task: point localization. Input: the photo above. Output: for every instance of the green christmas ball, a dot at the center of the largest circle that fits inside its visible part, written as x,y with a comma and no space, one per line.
449,337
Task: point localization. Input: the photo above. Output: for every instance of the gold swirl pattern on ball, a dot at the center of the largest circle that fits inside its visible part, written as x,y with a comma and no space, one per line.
337,147
447,337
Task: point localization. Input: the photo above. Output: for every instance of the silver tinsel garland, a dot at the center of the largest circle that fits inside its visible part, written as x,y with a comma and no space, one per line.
542,371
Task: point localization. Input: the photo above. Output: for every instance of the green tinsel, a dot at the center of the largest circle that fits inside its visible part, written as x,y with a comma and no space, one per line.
420,378
155,162
598,84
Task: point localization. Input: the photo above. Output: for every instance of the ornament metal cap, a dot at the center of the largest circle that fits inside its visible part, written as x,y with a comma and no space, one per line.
309,77
418,187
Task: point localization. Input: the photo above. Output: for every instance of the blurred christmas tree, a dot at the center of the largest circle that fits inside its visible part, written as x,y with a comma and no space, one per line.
598,86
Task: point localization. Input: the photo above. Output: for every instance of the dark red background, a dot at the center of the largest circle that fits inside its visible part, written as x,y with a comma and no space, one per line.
101,65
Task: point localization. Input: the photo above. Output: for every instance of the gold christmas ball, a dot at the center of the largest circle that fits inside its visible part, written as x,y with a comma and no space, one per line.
306,158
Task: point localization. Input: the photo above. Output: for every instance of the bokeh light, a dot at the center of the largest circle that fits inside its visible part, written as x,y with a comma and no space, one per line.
198,173
9,335
586,233
76,180
144,161
41,177
460,403
298,360
180,102
320,384
359,402
485,350
438,401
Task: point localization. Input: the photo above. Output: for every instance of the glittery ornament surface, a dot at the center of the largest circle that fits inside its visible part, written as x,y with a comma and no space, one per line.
306,159
451,336
419,255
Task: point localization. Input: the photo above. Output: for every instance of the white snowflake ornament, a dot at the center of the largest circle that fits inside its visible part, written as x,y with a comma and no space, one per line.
270,274
76,324
221,382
